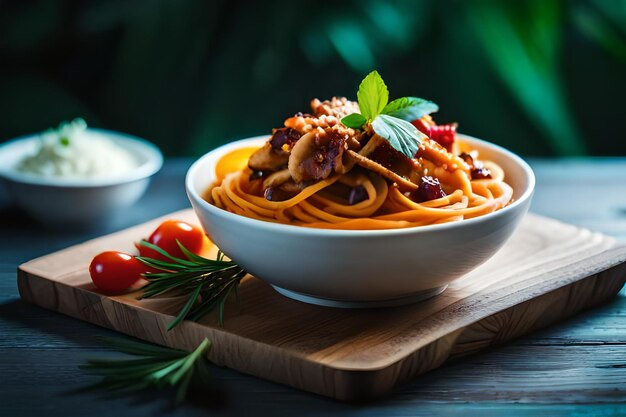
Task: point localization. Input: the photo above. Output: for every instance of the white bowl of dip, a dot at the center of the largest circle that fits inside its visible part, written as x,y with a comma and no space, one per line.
79,200
360,268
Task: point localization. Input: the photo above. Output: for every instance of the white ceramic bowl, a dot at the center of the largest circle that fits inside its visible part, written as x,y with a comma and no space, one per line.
361,268
59,202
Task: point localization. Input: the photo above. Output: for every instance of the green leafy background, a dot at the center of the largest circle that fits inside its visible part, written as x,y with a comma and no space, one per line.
542,77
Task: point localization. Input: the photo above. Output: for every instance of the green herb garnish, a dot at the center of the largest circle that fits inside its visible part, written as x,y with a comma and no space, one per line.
389,120
206,282
354,120
410,108
155,367
373,95
399,133
64,140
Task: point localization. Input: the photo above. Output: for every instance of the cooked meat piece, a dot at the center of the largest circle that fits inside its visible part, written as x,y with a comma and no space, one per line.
283,139
378,156
478,170
276,194
392,159
275,154
277,178
290,187
266,159
316,155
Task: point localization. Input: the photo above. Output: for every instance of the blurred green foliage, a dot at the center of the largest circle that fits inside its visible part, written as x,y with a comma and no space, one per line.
542,77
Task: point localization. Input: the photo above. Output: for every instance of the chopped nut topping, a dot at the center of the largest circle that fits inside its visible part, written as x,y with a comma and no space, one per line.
338,107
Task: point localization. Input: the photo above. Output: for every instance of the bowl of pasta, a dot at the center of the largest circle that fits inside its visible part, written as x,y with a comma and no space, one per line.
335,212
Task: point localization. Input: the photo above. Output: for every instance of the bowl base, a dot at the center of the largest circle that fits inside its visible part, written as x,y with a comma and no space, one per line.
394,302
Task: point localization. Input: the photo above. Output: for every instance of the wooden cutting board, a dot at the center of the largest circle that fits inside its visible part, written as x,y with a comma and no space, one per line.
547,271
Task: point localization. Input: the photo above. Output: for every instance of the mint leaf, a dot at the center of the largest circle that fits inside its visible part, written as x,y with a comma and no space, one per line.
410,108
354,120
401,135
372,95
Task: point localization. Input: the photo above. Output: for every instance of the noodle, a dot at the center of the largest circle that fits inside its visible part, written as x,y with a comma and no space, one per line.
385,206
318,172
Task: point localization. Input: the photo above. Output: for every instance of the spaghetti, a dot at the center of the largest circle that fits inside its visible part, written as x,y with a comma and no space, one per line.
315,172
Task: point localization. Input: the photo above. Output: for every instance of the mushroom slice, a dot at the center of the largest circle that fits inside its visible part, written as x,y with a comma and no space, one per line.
316,154
277,178
266,159
290,187
281,192
381,170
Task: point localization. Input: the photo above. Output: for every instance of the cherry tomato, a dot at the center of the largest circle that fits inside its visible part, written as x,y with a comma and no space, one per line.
166,235
115,271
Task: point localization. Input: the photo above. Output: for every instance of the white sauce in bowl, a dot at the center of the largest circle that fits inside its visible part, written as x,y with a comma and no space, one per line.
71,151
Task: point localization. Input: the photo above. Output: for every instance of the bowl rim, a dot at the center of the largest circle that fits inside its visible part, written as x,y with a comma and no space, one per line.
153,163
310,231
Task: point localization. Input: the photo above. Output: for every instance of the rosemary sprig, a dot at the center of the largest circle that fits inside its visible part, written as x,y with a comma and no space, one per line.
207,282
156,366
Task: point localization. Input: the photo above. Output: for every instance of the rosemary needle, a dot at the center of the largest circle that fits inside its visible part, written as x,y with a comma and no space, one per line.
206,282
156,366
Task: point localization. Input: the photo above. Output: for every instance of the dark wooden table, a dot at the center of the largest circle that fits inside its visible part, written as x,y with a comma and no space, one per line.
574,368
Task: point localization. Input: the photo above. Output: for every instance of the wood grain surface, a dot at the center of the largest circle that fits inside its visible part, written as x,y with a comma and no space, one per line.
546,272
576,367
